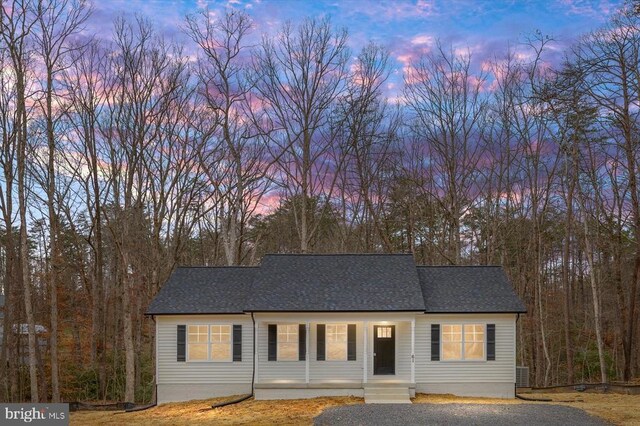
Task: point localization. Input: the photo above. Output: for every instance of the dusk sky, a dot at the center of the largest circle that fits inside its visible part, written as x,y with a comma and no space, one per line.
406,28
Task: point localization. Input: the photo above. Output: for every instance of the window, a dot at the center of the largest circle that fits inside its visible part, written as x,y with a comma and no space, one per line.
198,342
384,332
336,342
287,342
221,343
462,342
209,343
473,341
451,342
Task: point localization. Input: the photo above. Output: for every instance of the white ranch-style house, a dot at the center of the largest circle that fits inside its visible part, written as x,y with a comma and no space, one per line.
302,326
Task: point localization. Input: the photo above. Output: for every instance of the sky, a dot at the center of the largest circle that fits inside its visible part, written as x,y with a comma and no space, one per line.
486,28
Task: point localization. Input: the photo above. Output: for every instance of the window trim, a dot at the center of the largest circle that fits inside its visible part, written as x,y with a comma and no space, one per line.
297,342
209,343
346,343
463,359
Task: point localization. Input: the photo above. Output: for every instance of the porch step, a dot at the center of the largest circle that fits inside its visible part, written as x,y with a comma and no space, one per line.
386,395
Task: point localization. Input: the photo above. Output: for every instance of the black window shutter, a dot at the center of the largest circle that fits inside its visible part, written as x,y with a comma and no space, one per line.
273,342
321,339
302,342
435,342
182,343
351,342
237,342
491,342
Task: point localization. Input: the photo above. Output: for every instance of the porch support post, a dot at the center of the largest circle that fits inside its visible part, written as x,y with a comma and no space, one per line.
413,350
365,357
306,356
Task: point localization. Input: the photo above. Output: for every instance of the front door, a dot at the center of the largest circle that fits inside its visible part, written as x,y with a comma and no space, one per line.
384,349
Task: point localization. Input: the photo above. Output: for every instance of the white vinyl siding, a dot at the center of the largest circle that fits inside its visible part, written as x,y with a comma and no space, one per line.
472,377
170,371
338,372
335,371
275,371
502,370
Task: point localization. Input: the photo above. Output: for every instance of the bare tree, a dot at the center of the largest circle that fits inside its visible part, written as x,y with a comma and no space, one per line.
611,59
143,81
224,84
11,282
448,104
368,127
17,20
84,83
57,22
299,75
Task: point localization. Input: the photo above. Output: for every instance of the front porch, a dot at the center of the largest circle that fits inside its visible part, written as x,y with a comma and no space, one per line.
380,368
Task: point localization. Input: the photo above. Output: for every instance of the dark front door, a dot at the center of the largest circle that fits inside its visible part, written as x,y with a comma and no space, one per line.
384,349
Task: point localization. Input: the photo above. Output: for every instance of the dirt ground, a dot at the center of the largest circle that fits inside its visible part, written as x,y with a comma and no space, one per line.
617,409
250,412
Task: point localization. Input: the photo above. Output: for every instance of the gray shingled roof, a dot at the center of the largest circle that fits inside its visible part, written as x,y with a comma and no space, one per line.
467,289
203,290
342,282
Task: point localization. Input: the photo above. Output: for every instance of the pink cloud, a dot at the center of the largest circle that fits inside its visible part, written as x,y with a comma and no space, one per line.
392,10
268,203
422,39
588,8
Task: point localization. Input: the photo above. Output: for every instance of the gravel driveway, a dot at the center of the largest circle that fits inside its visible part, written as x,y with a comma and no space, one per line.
455,414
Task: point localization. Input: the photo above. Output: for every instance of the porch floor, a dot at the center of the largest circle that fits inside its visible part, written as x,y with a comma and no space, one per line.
335,384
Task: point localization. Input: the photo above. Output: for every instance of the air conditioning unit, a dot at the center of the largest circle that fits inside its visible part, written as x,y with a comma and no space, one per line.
522,377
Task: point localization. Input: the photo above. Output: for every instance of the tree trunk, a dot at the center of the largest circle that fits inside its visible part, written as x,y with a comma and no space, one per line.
130,376
596,304
566,283
24,243
53,242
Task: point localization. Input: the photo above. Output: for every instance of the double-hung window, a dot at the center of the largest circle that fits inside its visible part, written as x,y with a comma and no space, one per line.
209,343
287,342
463,342
336,342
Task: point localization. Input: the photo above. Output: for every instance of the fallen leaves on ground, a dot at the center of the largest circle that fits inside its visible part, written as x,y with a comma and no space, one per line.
250,412
615,408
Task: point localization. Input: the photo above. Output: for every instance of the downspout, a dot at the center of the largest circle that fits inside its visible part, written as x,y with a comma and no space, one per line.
255,354
253,373
515,352
515,387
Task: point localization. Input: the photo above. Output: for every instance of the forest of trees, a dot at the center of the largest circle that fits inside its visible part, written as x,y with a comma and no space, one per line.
123,158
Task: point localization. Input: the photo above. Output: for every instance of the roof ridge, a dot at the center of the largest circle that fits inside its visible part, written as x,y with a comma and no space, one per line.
459,266
337,254
217,267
